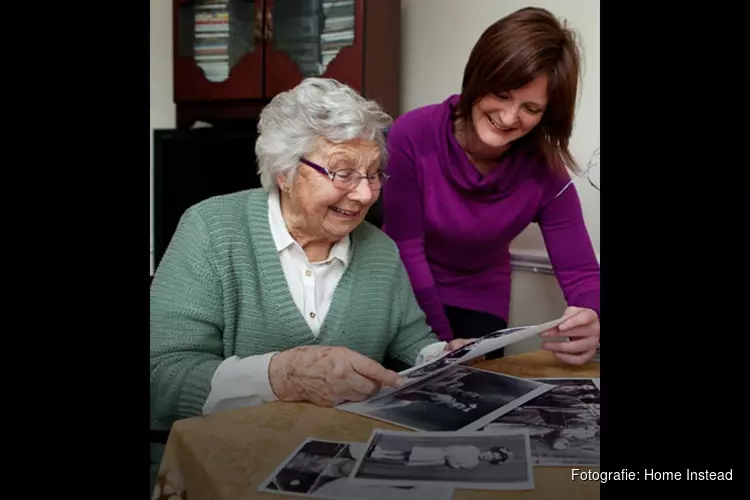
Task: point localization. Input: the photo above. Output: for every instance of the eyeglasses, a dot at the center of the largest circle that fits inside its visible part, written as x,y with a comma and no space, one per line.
348,178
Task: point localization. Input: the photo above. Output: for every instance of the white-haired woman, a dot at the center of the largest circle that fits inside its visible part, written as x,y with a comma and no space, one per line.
282,292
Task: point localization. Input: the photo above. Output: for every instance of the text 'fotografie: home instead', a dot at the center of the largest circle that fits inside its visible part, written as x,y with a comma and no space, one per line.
650,475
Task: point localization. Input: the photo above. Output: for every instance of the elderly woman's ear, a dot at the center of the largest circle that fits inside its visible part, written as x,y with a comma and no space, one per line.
281,182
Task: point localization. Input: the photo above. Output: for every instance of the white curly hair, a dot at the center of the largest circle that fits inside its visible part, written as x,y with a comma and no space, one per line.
294,121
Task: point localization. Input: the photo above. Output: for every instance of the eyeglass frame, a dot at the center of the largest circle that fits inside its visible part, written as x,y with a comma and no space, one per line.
332,175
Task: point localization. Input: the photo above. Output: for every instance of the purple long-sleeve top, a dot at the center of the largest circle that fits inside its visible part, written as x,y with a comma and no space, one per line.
453,226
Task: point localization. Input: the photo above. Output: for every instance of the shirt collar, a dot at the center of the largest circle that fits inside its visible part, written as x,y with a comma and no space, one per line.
283,240
281,237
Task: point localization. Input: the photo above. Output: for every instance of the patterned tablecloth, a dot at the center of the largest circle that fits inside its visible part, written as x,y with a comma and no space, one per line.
225,456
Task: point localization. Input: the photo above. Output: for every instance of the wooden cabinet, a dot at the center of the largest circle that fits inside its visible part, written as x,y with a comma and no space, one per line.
232,56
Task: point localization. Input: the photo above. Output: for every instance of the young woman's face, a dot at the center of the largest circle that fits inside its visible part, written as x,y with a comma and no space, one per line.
503,118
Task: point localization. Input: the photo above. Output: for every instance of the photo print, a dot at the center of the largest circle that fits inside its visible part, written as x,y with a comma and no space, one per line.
463,398
320,469
464,459
563,423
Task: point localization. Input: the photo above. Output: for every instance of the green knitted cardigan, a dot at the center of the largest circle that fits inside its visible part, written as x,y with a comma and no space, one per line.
220,291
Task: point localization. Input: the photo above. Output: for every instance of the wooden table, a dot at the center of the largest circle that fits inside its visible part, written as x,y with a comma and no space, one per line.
225,456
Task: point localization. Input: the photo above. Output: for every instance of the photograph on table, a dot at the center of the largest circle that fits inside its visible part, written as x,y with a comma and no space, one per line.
462,459
580,393
563,423
462,398
320,468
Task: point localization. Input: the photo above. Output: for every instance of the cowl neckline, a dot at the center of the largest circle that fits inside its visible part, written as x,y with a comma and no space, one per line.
504,178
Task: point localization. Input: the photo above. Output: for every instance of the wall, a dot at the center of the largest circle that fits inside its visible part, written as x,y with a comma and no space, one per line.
437,37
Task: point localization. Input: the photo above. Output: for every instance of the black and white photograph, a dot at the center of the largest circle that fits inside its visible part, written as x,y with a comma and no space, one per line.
465,459
441,363
563,423
320,469
502,333
479,347
462,398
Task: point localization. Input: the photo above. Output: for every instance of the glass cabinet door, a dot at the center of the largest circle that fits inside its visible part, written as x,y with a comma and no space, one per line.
219,37
304,37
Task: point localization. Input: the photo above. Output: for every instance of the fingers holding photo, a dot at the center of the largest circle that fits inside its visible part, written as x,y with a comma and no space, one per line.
573,346
575,352
577,319
581,327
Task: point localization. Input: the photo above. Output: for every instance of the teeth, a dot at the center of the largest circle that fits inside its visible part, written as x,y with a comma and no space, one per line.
505,129
342,211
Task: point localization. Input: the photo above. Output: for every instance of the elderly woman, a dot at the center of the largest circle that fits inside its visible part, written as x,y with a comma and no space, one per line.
283,293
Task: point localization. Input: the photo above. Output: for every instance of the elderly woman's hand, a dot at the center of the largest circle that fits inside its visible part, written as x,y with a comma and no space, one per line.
327,376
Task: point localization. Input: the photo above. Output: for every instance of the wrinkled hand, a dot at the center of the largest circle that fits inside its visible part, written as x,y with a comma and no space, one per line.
327,376
581,326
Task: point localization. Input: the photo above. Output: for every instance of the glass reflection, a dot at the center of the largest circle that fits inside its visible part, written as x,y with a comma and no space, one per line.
217,34
312,32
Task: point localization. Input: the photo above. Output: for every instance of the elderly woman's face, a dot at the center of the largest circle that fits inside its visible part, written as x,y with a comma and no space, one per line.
328,210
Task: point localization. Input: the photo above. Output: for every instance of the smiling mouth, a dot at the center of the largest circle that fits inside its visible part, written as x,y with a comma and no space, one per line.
344,213
498,126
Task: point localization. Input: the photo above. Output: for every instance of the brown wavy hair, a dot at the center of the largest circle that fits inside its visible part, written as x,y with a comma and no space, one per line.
510,54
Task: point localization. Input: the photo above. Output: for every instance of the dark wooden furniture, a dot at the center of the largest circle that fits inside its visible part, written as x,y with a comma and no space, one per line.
232,56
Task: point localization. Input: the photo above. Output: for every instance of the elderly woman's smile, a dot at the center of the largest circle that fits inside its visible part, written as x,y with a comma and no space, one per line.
330,192
345,213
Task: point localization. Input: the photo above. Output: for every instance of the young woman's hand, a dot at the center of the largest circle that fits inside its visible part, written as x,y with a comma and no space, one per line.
581,326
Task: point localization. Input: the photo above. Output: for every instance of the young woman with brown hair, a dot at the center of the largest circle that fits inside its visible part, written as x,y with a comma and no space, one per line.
467,175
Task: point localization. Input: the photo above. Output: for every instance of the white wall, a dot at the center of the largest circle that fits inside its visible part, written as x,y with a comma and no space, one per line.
437,38
161,105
